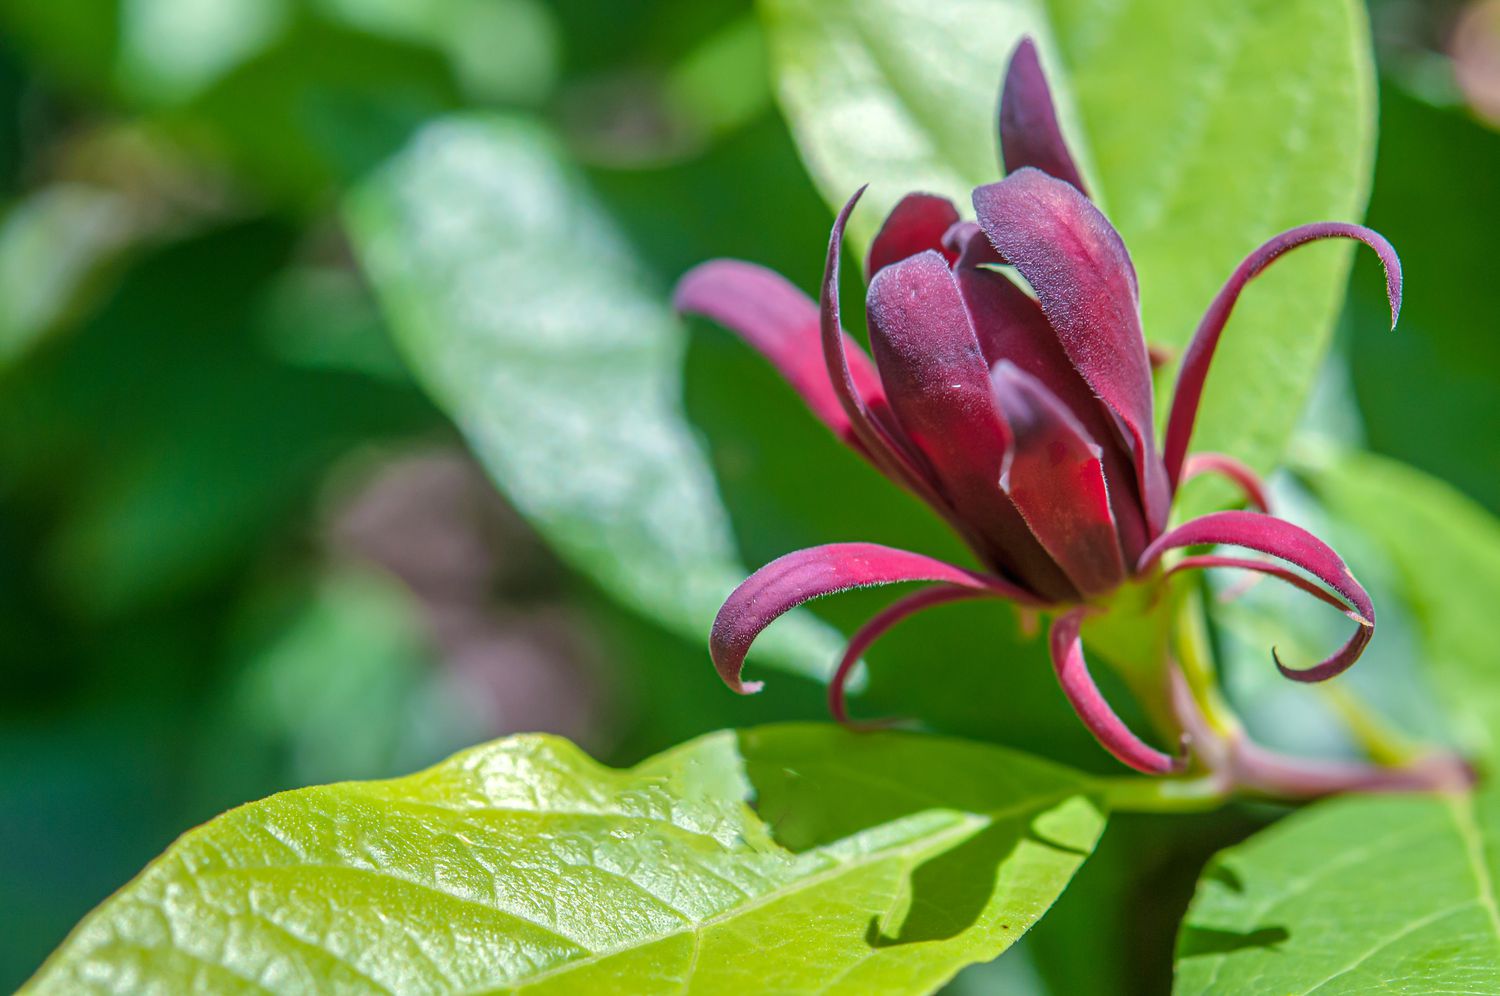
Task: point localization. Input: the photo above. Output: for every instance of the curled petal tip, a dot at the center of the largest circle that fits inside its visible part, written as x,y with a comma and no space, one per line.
750,687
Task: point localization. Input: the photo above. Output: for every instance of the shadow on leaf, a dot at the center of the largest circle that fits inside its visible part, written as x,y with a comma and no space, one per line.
1209,941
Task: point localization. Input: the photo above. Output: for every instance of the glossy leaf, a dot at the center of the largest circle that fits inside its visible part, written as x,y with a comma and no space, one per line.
1375,894
523,866
1203,130
529,319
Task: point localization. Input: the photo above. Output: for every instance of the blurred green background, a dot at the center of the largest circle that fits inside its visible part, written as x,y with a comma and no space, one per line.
241,552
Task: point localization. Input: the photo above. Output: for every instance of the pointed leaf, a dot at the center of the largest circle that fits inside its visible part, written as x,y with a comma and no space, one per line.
523,866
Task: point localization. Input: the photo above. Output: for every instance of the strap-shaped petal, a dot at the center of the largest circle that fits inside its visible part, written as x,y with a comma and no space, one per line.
1236,471
877,627
1200,352
1029,133
1075,261
1054,476
781,322
938,384
1103,722
1294,545
917,223
798,577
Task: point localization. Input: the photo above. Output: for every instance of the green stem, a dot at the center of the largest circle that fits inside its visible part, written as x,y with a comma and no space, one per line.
1196,794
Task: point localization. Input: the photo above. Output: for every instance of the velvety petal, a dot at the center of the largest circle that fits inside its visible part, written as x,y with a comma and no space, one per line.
1296,546
1054,476
1102,721
782,323
877,627
1200,352
938,385
788,581
917,223
1077,264
1241,475
1010,326
1029,134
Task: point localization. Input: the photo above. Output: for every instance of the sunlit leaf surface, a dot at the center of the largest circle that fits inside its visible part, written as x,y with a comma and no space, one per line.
1367,895
524,866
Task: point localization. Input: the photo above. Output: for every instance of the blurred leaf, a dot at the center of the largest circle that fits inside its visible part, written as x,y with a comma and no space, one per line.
501,50
565,876
51,245
1427,392
347,687
723,83
172,49
1355,895
1446,551
1209,128
528,317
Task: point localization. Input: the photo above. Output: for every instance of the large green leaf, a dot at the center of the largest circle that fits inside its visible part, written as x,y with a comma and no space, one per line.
1357,895
1445,550
530,320
525,866
1206,128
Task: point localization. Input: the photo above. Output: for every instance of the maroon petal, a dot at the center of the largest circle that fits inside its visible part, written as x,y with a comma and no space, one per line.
1083,278
1011,326
1246,479
1102,721
1200,351
1296,546
917,223
877,627
782,323
1054,476
938,385
788,581
1029,134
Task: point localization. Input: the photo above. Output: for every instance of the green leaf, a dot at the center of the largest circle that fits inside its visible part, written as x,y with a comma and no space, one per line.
528,317
1357,895
1446,552
525,866
1208,128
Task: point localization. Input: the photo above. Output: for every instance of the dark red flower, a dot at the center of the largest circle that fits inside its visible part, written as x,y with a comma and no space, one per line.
1024,419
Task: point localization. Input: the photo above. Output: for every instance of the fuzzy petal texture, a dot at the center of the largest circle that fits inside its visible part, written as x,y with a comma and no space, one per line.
1200,352
1011,327
1296,546
781,323
1029,133
917,223
938,384
798,577
1054,476
1075,261
1066,644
